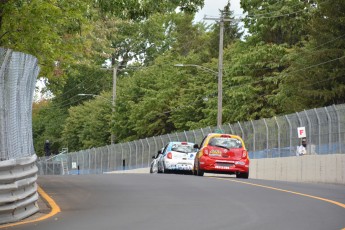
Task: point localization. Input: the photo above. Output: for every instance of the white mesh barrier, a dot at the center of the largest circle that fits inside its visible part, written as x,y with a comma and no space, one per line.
18,170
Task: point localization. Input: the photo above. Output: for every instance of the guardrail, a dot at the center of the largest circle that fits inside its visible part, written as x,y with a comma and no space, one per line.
18,189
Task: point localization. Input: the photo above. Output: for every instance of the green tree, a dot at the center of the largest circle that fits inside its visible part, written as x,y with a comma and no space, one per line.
88,125
276,21
251,81
316,75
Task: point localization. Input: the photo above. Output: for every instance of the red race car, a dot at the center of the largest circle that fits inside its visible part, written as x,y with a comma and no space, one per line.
222,153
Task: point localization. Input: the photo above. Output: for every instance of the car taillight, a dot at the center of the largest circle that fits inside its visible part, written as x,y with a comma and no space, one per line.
244,154
184,143
169,155
205,151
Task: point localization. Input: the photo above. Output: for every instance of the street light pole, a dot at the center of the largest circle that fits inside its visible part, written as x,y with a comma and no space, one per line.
220,74
113,104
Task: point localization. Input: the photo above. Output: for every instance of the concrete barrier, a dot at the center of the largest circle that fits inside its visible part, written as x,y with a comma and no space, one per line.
311,168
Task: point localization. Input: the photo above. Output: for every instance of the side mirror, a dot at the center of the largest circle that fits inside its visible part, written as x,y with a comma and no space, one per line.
196,146
159,152
153,157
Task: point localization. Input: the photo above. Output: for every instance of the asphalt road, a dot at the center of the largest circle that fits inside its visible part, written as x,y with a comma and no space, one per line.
164,202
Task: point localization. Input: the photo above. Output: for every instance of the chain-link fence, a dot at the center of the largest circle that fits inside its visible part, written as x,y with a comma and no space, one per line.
18,74
266,138
18,188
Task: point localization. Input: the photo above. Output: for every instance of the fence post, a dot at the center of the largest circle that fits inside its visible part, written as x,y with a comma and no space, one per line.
121,155
169,137
185,134
142,153
319,131
278,126
339,133
266,138
89,160
178,139
148,161
202,131
161,140
290,128
254,136
241,129
311,140
156,147
329,130
108,165
136,154
130,156
194,136
232,131
102,160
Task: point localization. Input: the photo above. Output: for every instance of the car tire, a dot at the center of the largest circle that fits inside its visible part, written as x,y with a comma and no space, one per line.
242,175
199,172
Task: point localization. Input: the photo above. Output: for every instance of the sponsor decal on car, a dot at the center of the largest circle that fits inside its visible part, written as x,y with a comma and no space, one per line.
215,152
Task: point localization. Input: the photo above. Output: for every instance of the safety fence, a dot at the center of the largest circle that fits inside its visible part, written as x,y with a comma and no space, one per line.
18,170
267,138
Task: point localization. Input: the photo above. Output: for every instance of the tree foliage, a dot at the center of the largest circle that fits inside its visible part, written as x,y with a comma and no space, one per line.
292,58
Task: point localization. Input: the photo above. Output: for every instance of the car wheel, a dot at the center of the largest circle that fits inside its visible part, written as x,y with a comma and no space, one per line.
199,172
158,170
242,175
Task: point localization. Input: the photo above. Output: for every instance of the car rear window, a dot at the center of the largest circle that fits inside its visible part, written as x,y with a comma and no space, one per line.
225,142
183,148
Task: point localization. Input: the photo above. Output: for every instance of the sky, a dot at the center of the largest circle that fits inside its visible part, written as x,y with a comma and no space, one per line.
212,7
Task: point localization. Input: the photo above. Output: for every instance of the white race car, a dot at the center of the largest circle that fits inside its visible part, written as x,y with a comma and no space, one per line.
177,156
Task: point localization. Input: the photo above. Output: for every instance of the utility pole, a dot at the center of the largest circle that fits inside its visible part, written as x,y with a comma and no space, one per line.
220,64
113,103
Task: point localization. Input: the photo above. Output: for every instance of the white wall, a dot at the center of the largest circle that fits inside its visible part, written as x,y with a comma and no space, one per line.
313,168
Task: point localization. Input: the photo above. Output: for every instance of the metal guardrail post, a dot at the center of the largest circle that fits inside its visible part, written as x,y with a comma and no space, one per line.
339,129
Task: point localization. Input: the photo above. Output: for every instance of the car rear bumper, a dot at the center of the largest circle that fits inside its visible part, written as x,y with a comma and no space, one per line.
230,167
179,165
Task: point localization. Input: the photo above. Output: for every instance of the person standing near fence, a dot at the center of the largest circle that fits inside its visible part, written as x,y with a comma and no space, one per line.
47,148
302,149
